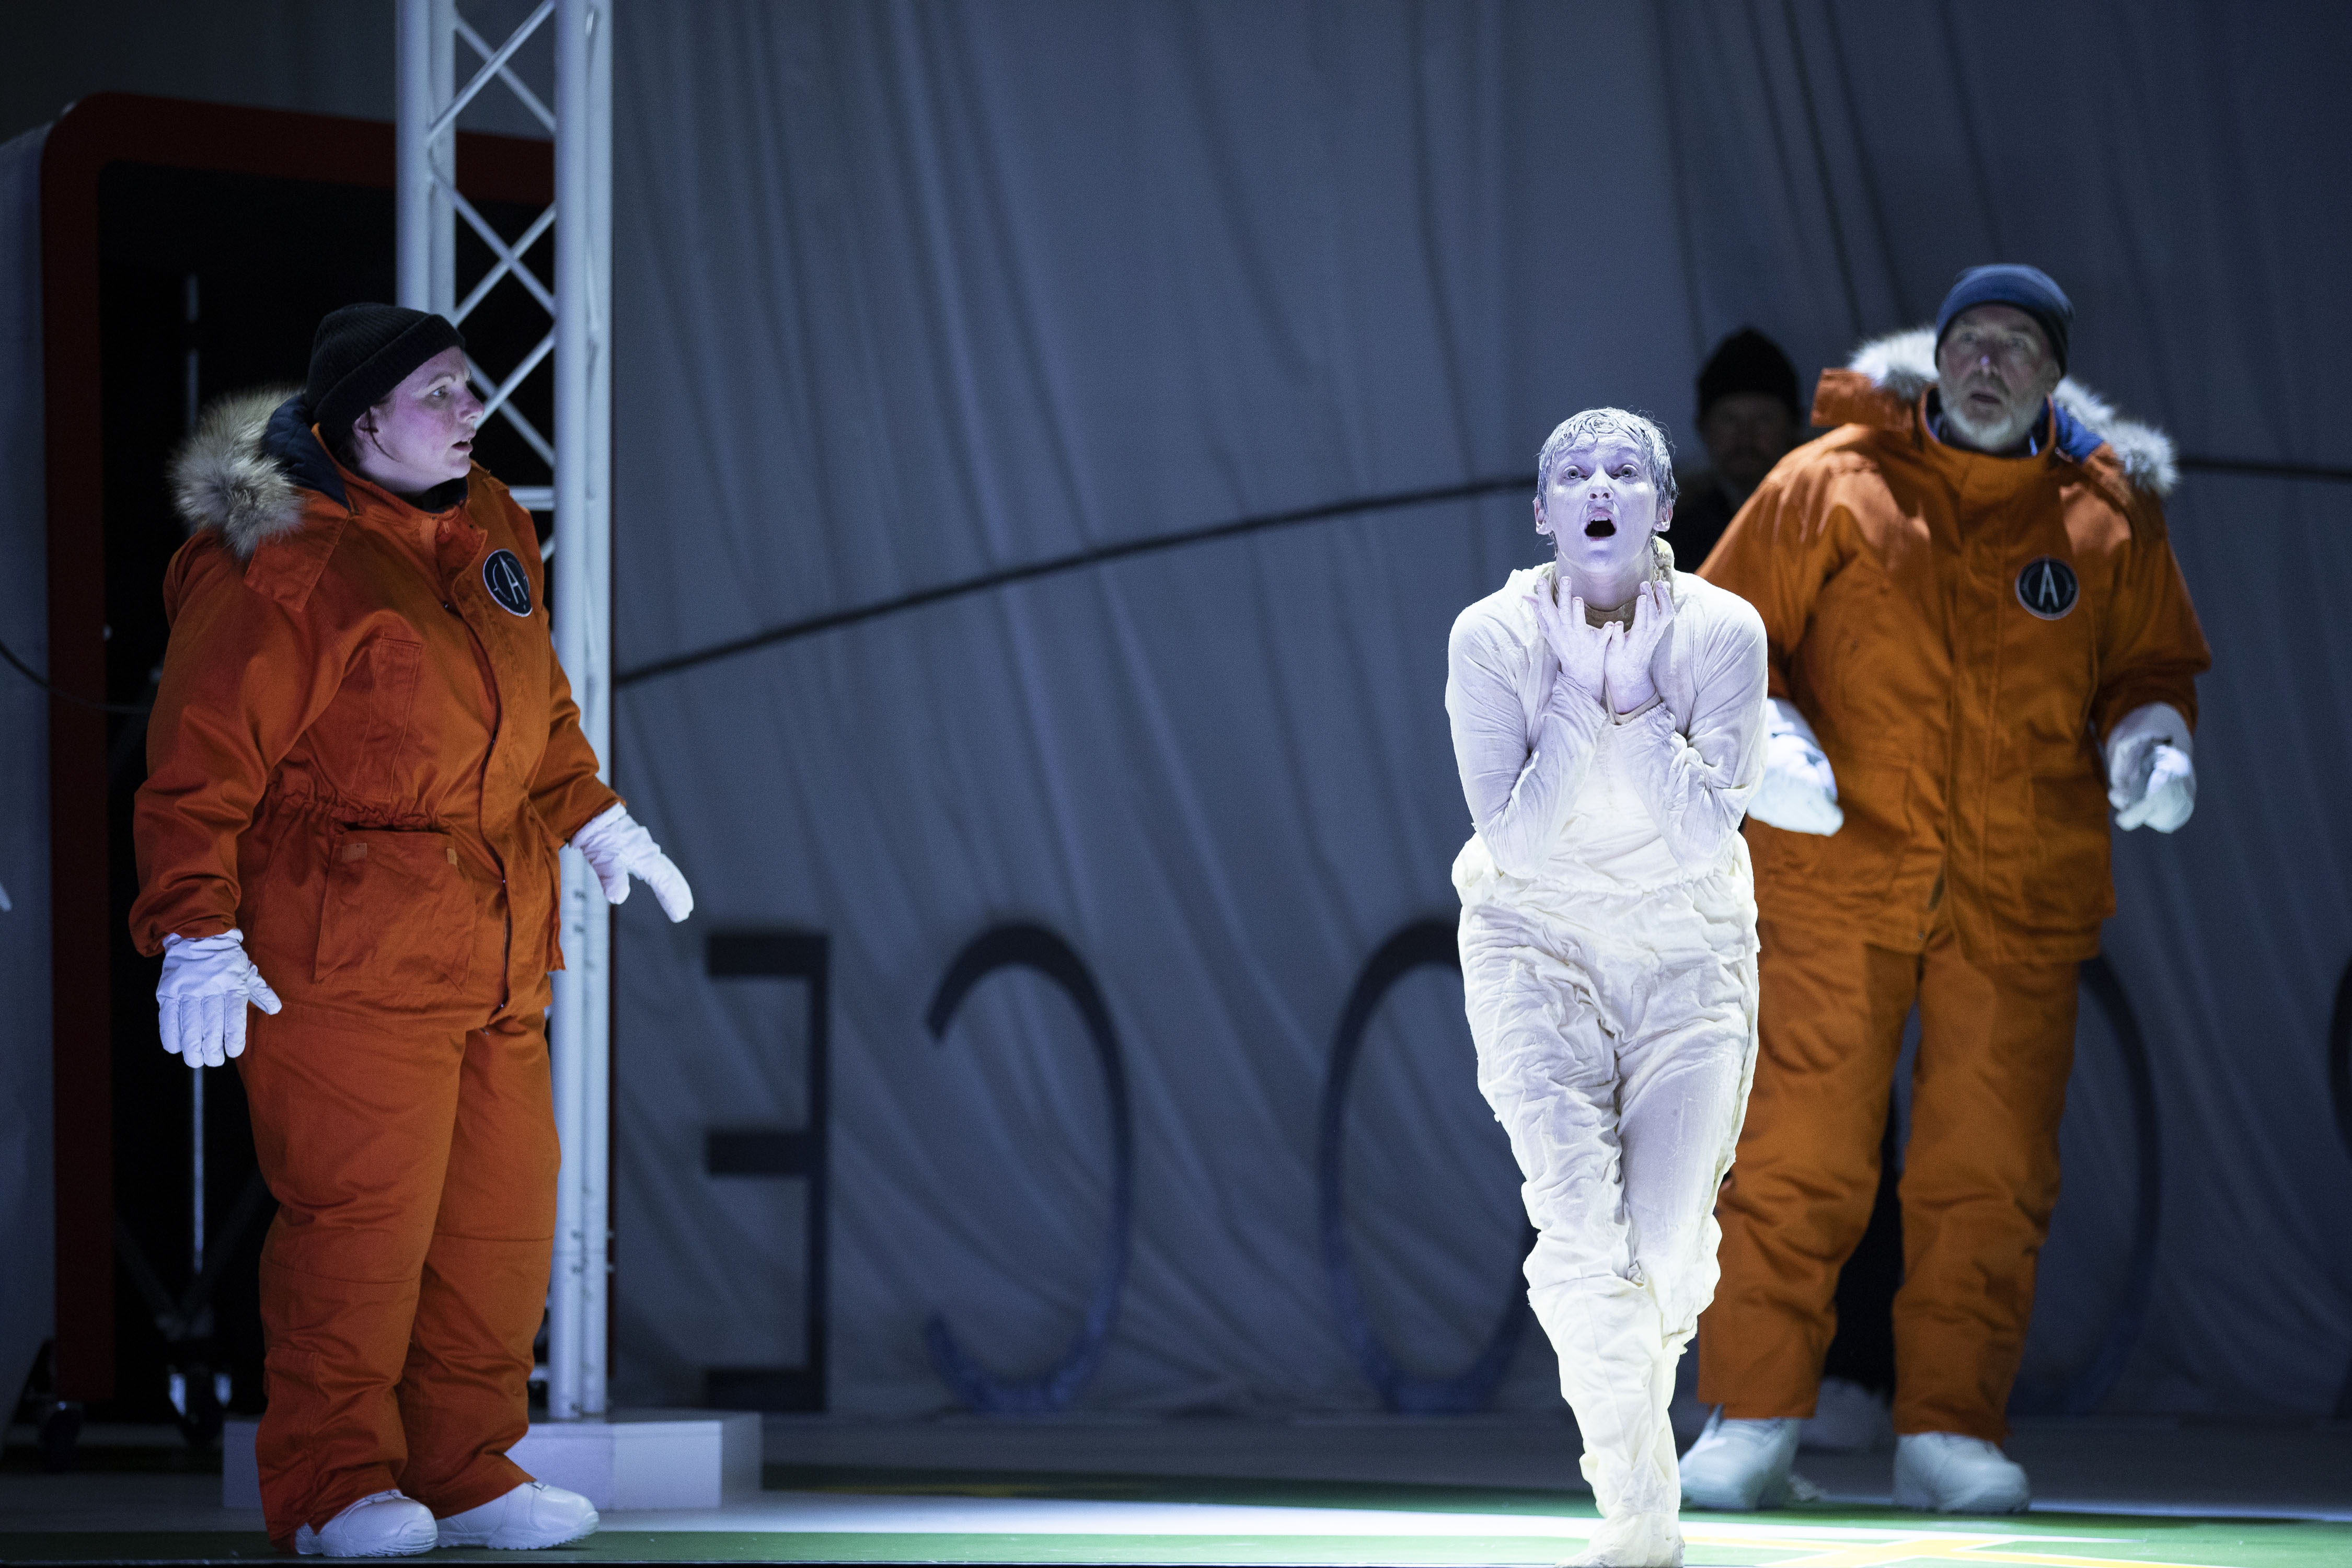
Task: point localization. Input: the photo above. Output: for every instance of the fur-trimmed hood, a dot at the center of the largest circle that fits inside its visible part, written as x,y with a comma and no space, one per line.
1904,364
251,469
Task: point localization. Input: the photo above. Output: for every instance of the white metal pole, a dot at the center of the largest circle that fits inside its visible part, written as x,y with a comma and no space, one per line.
412,111
580,1035
442,214
596,1167
426,234
578,1025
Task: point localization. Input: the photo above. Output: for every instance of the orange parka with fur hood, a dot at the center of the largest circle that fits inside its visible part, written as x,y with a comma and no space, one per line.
363,751
1962,632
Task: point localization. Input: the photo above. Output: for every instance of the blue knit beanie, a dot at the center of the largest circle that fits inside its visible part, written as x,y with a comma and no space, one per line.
2028,289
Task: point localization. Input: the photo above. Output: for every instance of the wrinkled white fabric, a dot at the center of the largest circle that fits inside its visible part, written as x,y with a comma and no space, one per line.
1609,969
2152,768
1632,1541
1798,793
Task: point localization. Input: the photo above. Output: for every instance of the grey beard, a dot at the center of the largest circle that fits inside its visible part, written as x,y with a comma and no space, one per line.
1997,437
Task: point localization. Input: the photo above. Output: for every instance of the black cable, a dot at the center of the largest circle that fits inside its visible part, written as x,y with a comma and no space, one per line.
2267,470
30,674
1467,491
1071,563
836,619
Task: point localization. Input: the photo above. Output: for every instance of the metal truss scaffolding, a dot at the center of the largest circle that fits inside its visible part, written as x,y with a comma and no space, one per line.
578,301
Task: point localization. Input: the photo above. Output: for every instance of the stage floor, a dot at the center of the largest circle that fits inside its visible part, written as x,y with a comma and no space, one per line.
1370,1490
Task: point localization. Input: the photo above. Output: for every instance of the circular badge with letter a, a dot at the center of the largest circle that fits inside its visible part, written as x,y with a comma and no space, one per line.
2048,587
502,575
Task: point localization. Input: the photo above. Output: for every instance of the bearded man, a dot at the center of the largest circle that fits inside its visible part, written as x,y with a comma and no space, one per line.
1979,641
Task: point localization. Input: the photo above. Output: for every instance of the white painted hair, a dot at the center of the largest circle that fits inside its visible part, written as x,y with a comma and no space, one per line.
1643,431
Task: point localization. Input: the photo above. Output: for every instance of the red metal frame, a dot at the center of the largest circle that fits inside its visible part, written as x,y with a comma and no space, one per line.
103,128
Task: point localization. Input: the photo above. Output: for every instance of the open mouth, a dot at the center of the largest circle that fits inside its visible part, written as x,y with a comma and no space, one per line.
1600,527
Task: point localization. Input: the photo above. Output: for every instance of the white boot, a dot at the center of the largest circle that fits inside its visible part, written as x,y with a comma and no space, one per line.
1737,1465
1943,1472
534,1514
383,1525
1633,1540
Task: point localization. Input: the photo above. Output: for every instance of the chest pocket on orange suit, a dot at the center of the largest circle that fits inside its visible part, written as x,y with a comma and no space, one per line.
378,697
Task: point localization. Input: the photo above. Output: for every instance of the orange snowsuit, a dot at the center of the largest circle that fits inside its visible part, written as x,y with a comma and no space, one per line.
364,753
1961,631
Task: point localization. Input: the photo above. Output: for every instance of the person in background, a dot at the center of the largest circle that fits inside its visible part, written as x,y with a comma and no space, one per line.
362,761
1749,417
1980,644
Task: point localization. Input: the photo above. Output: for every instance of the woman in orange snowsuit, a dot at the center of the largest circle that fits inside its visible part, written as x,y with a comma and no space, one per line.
362,761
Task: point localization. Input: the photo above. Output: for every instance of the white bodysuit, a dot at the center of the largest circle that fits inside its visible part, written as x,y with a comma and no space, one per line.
1609,966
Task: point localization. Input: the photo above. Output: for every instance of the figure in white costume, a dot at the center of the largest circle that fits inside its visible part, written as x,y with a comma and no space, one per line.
1609,721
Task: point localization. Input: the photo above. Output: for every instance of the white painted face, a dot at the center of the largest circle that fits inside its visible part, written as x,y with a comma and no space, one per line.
1993,371
422,435
1600,505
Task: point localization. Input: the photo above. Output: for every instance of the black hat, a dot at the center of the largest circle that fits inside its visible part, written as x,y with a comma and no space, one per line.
361,353
1748,360
2028,289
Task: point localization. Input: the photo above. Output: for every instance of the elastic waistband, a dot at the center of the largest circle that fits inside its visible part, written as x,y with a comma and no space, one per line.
1594,886
328,813
1475,871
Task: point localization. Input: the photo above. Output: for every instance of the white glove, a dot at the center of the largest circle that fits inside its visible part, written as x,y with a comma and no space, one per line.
2151,769
616,846
1799,793
207,984
1631,686
1578,647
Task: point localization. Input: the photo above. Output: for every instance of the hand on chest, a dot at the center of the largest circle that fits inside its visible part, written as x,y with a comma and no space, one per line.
1672,670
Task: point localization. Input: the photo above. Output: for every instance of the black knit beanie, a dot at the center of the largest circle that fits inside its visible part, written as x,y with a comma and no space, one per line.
361,353
1748,360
